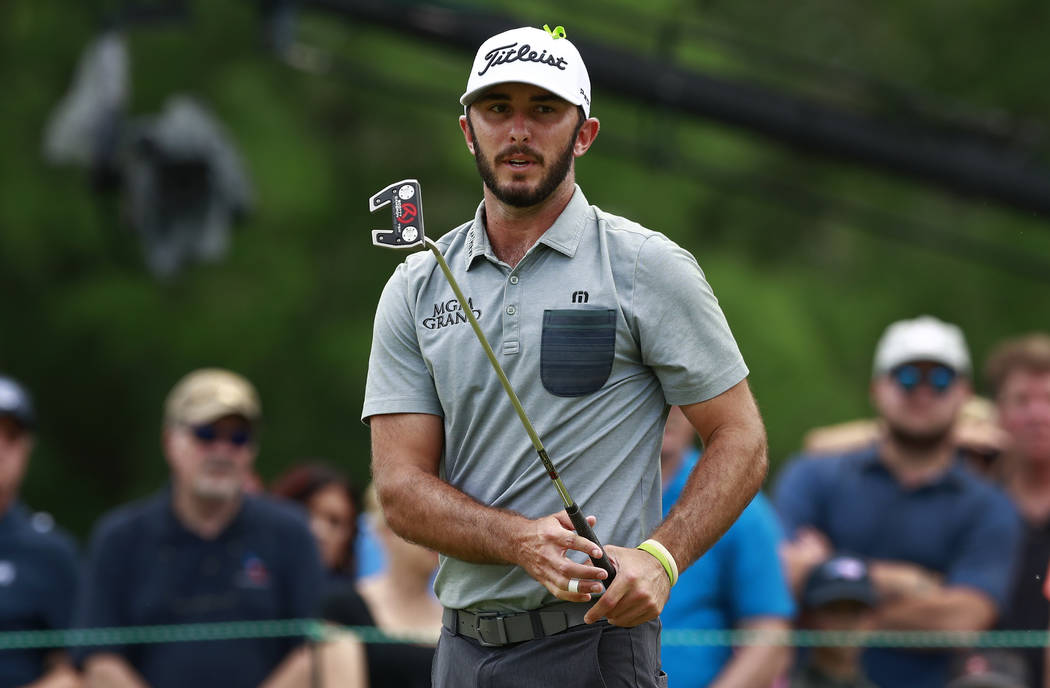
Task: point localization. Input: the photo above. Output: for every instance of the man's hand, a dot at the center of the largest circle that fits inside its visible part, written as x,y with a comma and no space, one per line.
903,579
541,549
638,593
809,549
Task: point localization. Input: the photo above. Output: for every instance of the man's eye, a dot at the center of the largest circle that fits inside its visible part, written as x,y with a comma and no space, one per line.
498,107
544,109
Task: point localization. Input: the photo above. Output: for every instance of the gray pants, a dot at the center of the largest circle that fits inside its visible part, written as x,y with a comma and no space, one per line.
595,656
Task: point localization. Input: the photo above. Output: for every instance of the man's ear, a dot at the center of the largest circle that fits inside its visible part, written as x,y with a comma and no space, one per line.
465,126
167,437
588,132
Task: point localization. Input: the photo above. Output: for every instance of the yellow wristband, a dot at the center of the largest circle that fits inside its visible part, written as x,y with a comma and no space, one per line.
663,556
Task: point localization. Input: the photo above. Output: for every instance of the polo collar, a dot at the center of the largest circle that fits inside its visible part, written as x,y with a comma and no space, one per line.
954,477
174,529
563,236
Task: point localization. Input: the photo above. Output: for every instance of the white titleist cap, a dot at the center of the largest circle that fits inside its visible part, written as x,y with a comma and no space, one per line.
923,339
531,56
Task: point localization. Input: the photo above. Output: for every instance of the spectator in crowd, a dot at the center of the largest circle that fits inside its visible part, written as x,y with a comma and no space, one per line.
399,600
838,596
38,562
1018,373
738,583
989,669
330,497
333,506
939,540
401,597
976,434
202,551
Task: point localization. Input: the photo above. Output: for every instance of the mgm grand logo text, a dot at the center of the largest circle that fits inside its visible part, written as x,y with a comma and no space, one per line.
449,313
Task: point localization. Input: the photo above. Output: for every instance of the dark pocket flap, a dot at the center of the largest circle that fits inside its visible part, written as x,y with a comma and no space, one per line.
577,350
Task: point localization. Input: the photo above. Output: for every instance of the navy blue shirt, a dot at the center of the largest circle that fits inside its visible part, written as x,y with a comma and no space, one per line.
38,582
146,568
959,526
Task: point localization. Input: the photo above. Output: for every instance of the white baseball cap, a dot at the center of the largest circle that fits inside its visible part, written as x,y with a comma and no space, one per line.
922,339
531,56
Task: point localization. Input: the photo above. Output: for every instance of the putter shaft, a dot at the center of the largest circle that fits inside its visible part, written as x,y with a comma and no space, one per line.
579,521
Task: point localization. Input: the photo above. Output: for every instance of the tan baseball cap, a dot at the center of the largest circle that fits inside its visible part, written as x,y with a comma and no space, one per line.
208,394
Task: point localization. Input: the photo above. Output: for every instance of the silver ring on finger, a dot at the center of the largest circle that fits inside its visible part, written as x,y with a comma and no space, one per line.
574,585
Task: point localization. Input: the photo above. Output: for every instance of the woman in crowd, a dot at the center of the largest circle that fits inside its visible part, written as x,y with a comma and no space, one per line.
402,606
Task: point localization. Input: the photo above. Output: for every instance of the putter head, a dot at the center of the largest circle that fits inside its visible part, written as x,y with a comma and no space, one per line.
406,208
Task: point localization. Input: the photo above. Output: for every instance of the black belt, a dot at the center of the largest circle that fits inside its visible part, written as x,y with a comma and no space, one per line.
493,629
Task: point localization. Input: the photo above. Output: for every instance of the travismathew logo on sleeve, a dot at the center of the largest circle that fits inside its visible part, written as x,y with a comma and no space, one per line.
449,313
505,54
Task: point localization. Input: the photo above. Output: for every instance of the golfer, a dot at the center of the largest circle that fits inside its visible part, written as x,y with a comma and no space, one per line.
600,325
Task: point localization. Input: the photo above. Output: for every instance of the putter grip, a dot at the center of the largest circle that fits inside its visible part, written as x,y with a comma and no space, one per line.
579,522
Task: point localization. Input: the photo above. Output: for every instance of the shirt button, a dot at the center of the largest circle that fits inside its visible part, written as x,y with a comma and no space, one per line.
513,279
511,310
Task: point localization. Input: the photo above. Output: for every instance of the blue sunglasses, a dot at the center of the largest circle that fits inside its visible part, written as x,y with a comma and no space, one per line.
940,378
208,434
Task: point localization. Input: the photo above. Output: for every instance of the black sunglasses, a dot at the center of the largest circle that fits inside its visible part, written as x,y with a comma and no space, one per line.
909,376
209,433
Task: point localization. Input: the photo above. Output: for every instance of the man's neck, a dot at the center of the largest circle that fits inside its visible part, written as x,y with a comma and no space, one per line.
914,467
204,517
513,231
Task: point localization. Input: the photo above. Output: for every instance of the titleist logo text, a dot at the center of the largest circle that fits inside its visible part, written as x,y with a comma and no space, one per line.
512,53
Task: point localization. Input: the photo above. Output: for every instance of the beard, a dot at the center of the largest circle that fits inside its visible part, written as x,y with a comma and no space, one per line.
919,441
222,485
518,197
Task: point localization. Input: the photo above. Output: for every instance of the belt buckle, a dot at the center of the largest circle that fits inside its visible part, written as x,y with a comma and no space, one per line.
491,619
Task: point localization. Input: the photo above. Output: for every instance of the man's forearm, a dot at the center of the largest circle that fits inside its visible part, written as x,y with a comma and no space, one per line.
111,671
60,674
424,509
719,488
756,666
339,661
941,609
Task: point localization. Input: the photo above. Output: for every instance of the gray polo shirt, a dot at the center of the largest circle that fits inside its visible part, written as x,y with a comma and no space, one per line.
599,328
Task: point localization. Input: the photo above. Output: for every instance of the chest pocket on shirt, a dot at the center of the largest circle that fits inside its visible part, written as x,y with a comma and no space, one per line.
576,356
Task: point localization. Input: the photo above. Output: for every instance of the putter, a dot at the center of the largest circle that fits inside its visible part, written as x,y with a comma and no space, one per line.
406,207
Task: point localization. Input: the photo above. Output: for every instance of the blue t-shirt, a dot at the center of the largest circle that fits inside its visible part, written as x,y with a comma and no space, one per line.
368,550
739,578
146,568
958,526
38,582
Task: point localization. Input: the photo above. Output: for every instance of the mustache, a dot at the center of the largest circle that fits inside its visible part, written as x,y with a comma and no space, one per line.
218,462
511,151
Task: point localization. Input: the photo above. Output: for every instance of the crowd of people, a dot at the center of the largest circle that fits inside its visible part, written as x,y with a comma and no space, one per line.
891,526
209,546
926,518
919,519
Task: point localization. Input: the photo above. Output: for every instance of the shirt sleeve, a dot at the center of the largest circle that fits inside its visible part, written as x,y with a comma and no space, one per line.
758,584
399,380
61,601
102,588
987,555
797,495
682,332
